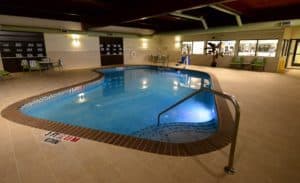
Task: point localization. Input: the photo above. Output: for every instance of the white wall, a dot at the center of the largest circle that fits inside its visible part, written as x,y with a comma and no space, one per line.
138,50
87,55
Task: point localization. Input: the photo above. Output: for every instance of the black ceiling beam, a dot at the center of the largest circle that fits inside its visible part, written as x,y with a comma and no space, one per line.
16,11
270,14
70,10
144,9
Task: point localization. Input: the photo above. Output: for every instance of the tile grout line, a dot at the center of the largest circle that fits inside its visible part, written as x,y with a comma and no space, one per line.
43,154
14,153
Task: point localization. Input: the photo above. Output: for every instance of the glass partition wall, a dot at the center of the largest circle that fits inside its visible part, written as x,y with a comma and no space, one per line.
296,59
293,57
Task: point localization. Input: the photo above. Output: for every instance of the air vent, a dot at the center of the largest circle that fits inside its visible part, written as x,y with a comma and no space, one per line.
285,23
64,30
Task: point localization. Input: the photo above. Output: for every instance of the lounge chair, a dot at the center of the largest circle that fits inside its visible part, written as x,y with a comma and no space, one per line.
258,63
237,62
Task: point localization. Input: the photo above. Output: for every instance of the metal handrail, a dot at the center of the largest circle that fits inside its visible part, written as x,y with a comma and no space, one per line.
176,104
229,169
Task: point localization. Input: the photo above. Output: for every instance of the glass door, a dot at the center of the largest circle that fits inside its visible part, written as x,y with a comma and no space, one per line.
296,56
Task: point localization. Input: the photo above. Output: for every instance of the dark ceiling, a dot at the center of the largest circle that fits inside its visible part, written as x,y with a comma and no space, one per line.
154,14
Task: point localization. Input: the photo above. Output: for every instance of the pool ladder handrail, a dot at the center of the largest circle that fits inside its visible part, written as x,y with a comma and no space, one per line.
229,169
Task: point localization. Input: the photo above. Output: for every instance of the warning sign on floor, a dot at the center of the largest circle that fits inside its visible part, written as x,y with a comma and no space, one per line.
56,137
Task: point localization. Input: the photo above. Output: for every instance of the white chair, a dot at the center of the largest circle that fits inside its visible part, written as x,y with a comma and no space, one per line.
59,64
25,65
34,65
47,59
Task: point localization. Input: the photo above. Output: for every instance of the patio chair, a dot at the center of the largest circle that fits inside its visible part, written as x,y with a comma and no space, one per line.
25,65
164,60
155,58
237,62
46,64
152,59
34,66
258,63
59,64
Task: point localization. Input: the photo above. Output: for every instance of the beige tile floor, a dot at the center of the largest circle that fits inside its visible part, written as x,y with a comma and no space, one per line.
268,148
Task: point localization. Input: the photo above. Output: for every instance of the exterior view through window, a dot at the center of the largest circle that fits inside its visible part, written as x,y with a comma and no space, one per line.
247,48
228,47
267,48
198,47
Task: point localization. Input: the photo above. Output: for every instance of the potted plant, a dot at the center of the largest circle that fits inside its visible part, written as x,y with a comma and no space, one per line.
215,51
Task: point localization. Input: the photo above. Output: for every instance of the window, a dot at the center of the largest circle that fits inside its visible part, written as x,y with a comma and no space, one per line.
228,47
209,47
198,47
247,48
285,47
267,48
296,57
186,47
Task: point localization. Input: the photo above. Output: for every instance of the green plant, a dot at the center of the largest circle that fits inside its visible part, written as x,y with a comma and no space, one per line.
4,73
215,51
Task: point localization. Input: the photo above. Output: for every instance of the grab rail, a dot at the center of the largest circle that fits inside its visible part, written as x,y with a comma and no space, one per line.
229,169
176,104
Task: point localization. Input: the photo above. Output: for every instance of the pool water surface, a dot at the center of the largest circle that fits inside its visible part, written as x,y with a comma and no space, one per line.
127,101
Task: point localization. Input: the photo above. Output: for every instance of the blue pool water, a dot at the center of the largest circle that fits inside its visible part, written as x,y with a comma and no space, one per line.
128,100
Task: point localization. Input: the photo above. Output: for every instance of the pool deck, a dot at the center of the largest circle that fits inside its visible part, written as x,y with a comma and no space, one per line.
268,147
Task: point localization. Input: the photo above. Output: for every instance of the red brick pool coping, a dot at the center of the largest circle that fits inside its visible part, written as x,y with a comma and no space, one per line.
219,140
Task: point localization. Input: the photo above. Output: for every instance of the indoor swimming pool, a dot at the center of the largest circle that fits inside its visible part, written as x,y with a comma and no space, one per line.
127,101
